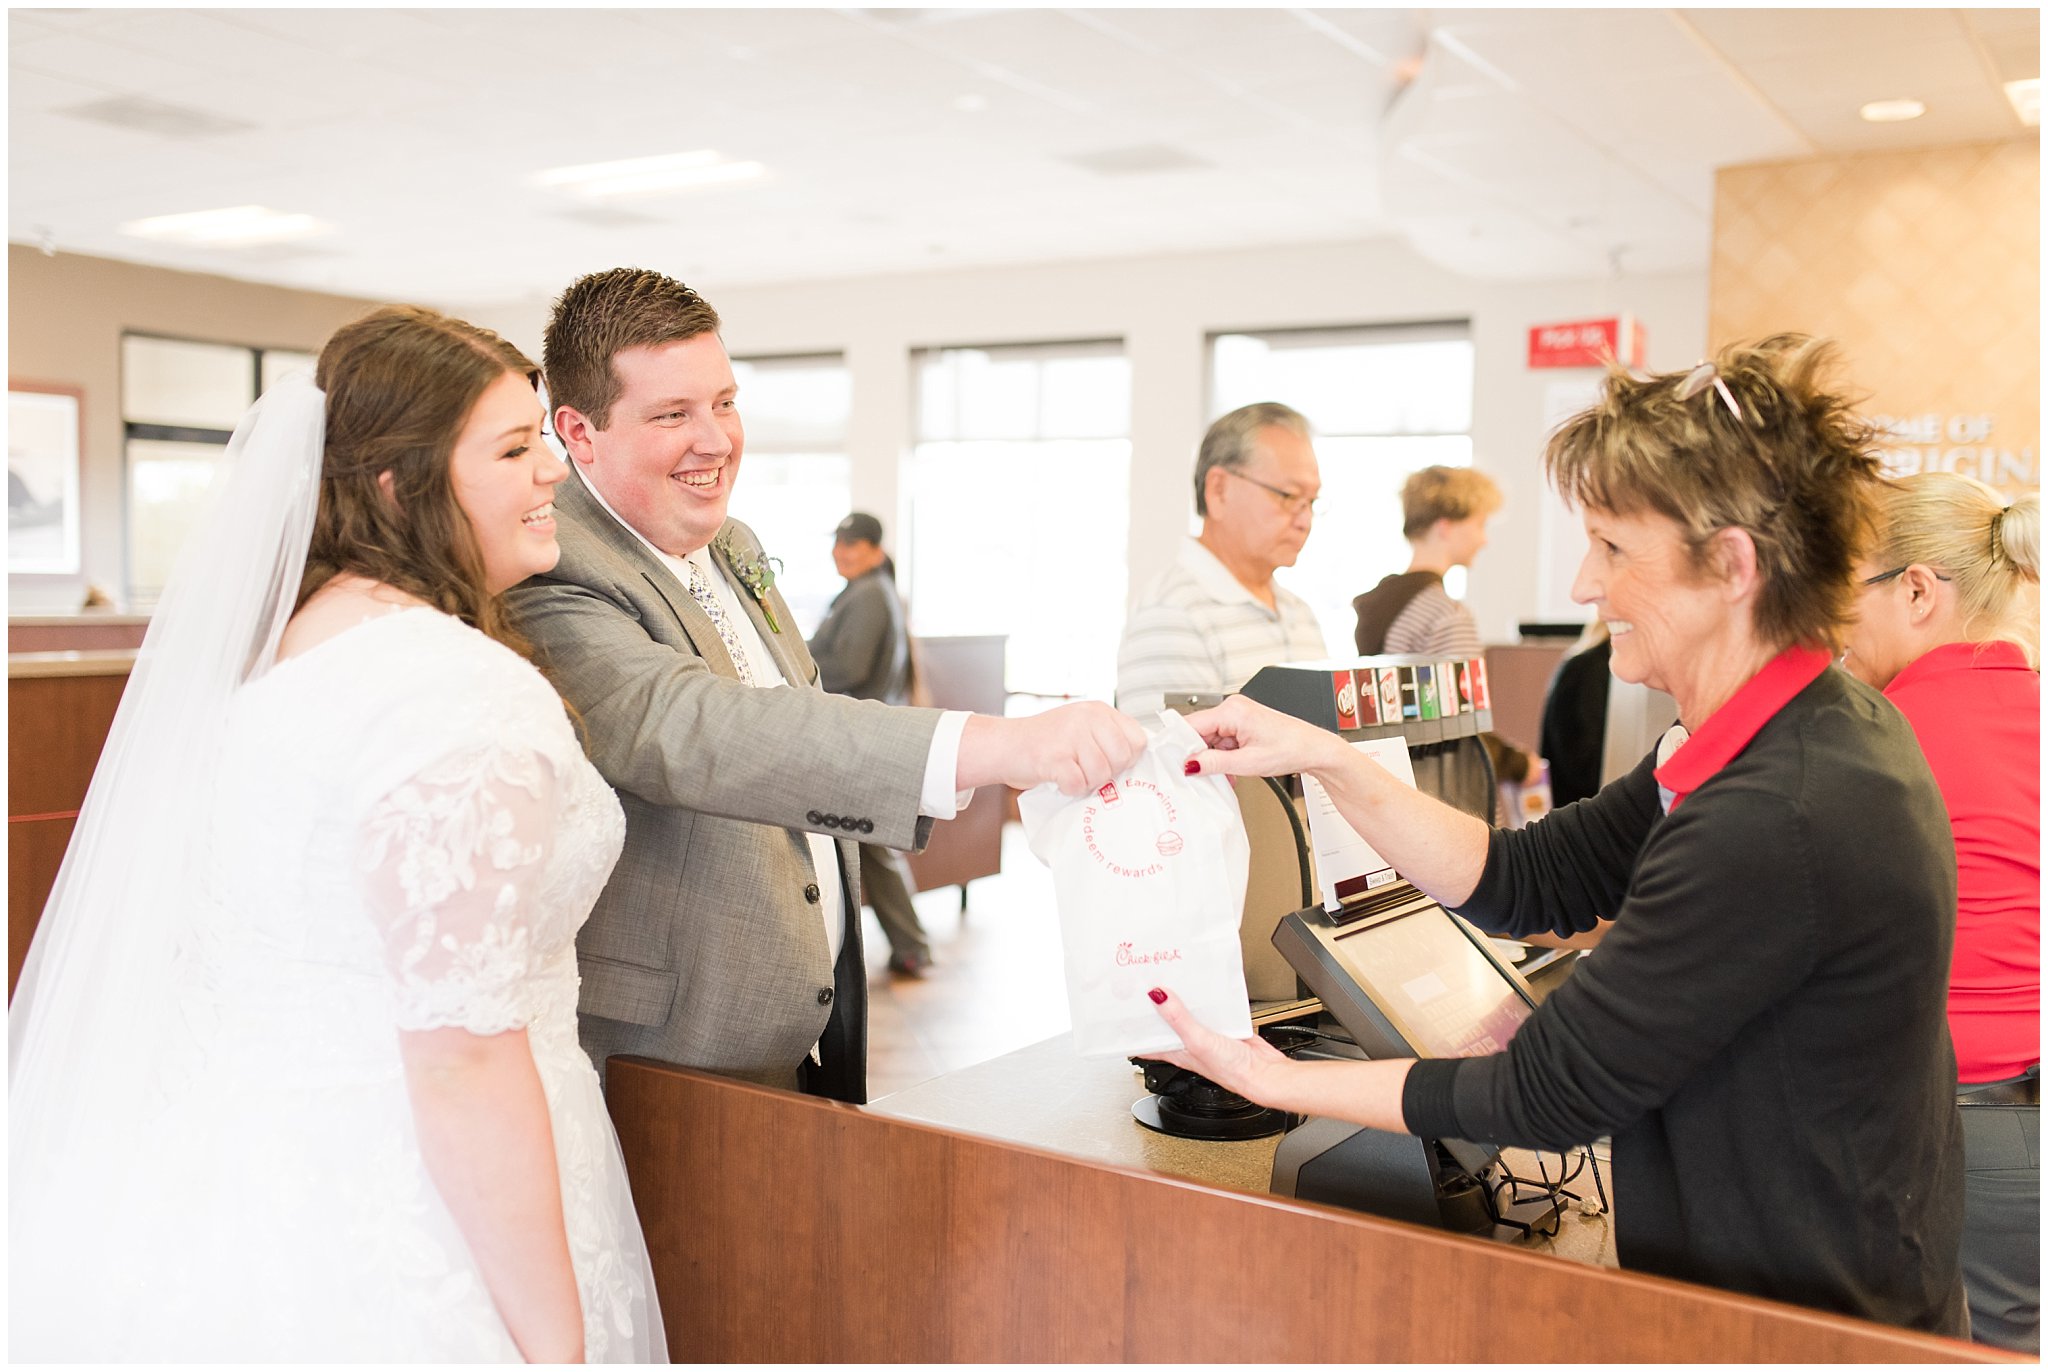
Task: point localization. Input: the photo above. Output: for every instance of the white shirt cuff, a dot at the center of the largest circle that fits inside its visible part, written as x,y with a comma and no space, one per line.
939,799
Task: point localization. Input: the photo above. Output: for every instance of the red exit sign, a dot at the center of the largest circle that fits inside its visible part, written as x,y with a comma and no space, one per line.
1587,343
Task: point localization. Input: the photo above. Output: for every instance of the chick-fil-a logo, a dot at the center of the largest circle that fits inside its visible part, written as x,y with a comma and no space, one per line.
1125,857
1127,955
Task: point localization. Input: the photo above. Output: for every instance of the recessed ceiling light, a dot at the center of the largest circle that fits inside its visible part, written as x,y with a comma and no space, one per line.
970,104
644,175
2026,100
238,226
1892,111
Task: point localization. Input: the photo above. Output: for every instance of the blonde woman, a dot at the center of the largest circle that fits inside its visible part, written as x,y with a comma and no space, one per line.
1948,627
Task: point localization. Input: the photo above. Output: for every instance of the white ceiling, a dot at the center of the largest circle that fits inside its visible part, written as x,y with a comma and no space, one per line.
1501,143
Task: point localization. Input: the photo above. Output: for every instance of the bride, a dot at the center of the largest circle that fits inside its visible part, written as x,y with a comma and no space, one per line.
293,1060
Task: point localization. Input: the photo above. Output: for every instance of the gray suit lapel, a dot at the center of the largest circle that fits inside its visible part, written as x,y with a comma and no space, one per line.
623,544
731,539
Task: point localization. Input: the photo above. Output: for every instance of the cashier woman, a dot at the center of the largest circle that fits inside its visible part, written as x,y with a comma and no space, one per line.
1762,1032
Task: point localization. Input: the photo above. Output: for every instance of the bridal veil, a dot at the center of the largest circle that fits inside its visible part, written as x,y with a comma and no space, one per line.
89,1030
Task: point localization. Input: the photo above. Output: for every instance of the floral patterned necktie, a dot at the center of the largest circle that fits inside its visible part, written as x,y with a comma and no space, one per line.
700,591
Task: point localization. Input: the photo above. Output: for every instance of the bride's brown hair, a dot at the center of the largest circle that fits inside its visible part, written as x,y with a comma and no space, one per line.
400,382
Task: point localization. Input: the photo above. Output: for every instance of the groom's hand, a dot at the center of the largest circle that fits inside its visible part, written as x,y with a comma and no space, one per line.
1076,747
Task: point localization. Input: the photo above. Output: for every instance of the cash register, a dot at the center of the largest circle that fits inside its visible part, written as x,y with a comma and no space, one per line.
1373,968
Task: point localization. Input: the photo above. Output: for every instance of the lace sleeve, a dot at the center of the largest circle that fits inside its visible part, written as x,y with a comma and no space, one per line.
451,861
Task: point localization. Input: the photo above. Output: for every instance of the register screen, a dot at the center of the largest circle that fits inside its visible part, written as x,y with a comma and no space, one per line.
1443,994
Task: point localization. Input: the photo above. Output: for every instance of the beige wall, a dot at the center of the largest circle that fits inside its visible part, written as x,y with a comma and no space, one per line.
1926,266
65,317
1163,307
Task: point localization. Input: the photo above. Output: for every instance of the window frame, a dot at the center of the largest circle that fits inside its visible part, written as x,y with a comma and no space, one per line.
133,431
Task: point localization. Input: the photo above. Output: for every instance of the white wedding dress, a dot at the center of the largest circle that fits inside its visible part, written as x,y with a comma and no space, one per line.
404,834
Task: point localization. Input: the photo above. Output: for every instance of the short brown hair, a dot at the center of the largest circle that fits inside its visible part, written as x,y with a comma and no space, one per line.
1778,455
1445,493
400,383
600,316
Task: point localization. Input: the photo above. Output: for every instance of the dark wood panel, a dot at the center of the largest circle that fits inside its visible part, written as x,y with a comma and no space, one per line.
73,638
789,1229
965,848
963,673
1518,677
55,728
35,850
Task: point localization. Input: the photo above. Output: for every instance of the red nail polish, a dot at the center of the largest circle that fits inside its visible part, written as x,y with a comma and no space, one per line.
1158,996
1190,768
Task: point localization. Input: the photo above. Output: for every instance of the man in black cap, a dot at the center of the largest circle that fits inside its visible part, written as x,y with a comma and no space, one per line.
863,650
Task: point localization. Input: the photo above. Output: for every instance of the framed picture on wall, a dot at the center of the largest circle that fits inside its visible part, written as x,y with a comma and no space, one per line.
44,427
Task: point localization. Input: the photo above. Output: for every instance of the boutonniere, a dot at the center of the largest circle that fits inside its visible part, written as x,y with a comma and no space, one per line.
757,574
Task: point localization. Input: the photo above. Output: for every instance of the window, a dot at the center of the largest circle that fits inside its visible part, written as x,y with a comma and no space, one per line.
1020,507
180,402
795,483
1384,402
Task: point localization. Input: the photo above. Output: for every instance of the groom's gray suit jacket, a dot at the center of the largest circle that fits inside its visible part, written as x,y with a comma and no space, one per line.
707,948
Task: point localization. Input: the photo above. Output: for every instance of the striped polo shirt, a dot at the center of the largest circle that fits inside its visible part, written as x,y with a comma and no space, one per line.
1434,625
1196,628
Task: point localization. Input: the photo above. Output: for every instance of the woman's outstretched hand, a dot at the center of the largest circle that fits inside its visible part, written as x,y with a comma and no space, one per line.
1240,1065
1247,739
1367,1093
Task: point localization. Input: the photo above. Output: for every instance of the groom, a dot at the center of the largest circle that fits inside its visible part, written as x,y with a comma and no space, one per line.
728,937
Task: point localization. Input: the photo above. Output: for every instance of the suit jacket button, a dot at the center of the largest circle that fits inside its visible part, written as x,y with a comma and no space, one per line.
824,995
830,821
867,826
811,892
815,818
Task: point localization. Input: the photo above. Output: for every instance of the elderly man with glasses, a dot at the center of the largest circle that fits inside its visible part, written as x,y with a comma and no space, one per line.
1217,616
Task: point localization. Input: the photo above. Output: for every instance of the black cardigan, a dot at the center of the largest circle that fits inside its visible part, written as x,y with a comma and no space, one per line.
1763,1031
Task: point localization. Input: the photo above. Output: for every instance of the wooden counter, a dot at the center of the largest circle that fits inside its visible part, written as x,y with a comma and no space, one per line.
1046,1096
59,708
86,631
71,662
789,1229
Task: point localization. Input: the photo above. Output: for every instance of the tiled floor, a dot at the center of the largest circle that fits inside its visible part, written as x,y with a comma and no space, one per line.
995,983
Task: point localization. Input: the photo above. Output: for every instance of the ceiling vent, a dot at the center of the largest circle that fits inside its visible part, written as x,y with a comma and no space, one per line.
1140,160
143,115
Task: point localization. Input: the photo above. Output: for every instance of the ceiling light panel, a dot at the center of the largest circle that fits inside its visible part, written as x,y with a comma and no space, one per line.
1891,111
650,175
2026,100
630,166
234,227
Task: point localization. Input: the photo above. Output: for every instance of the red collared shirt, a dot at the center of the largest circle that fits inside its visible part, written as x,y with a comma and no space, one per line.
1976,709
1729,729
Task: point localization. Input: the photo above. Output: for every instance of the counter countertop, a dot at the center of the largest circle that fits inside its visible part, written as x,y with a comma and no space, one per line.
88,662
1047,1096
72,621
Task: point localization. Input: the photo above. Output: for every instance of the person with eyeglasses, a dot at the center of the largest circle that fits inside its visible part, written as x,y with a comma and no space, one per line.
1948,627
1763,1032
1217,615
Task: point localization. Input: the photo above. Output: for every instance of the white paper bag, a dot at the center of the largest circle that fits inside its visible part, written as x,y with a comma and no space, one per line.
1149,872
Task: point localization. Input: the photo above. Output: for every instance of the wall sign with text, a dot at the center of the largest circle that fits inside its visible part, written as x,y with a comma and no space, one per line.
1960,443
1587,342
